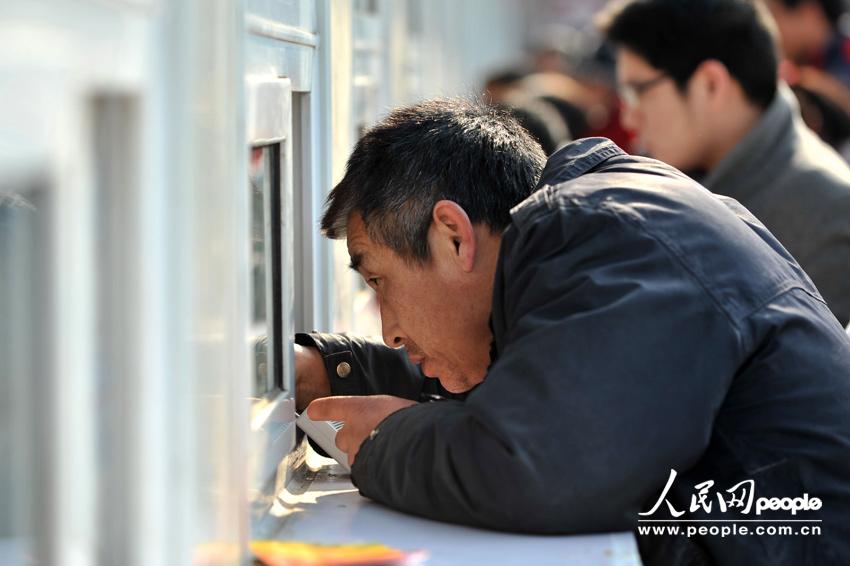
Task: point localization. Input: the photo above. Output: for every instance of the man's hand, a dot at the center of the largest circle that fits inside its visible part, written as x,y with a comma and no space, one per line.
360,414
311,377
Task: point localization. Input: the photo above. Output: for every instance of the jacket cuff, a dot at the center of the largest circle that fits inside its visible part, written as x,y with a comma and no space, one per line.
363,467
345,375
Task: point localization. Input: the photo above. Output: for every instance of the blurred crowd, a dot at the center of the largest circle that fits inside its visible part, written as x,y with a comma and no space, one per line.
561,94
568,88
750,97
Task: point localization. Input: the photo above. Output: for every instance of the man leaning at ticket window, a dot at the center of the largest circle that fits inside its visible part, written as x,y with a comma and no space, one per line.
594,324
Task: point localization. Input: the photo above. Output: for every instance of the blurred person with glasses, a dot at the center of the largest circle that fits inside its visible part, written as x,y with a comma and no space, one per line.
698,80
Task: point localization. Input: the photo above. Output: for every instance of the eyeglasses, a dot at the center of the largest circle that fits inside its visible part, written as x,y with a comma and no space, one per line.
631,91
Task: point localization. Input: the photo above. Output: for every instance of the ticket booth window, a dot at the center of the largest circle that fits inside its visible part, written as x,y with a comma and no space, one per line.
270,253
264,181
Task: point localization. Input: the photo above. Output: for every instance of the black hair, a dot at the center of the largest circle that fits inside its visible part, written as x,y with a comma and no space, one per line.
676,36
468,152
832,9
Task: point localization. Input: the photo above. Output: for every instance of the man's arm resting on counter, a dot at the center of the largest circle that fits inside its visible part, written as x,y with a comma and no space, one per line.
359,366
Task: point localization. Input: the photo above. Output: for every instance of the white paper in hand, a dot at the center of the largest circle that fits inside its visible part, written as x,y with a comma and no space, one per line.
323,433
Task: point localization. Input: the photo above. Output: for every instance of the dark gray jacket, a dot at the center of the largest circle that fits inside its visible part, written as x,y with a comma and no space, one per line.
799,187
640,324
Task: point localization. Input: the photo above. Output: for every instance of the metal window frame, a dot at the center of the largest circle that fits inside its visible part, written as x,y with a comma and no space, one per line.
269,122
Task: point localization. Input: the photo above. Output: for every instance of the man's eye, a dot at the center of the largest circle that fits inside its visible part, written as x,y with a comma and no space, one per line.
373,281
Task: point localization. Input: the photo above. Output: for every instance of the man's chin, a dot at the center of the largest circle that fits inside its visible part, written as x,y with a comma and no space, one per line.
455,386
452,381
458,384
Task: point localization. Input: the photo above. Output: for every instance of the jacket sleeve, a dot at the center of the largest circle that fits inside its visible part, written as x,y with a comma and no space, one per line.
360,366
612,365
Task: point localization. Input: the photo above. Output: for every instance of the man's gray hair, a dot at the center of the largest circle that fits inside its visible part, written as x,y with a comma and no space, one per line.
468,152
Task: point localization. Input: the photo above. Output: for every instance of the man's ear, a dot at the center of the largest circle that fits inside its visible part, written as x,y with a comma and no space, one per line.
711,82
453,235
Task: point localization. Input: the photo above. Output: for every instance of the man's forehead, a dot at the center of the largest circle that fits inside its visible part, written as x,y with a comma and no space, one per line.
630,62
361,248
357,259
357,242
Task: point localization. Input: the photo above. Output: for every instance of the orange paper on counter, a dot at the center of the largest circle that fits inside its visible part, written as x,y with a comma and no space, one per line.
288,553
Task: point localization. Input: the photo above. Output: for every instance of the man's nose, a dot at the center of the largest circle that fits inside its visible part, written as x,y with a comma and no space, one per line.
630,117
393,336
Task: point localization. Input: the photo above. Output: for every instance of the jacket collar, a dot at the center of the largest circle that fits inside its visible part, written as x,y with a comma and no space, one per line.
738,172
577,158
